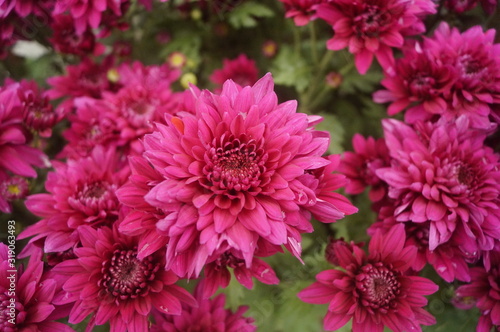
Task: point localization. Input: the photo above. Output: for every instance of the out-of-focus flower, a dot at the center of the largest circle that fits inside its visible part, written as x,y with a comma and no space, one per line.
269,48
331,250
243,168
80,192
241,70
109,282
334,79
16,155
66,40
373,27
420,83
374,291
210,315
11,189
360,166
443,173
187,79
177,60
485,290
302,11
27,296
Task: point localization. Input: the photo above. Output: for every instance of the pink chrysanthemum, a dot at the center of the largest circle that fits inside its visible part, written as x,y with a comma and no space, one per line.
11,188
374,291
372,27
443,173
476,59
302,11
27,296
242,168
359,166
420,83
109,282
88,13
80,192
120,119
16,155
485,289
448,260
241,70
210,315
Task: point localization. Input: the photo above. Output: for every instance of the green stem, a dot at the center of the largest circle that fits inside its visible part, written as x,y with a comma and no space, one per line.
312,32
318,75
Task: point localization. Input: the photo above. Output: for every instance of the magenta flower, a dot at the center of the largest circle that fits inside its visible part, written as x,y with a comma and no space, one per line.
360,166
88,13
372,27
11,189
218,275
485,289
241,70
109,282
443,173
121,118
302,11
80,192
374,291
16,155
210,315
420,83
242,169
476,60
27,296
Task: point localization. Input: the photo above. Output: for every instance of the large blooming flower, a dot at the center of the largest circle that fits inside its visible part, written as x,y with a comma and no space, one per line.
80,192
109,282
27,296
372,27
374,291
210,315
443,173
485,289
242,168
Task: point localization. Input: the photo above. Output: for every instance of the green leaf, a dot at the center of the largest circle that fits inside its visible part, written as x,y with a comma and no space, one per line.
289,69
245,15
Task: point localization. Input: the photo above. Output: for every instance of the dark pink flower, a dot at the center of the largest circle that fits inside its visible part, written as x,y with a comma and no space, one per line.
374,291
476,60
243,168
88,13
109,282
359,166
218,274
11,188
66,40
420,83
443,173
372,27
485,289
331,250
241,70
80,192
302,11
27,296
16,154
121,118
210,315
460,6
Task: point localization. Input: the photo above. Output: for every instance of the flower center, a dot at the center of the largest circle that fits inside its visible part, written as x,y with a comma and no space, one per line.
126,277
94,198
14,188
471,67
465,175
421,86
371,21
229,260
377,286
236,165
